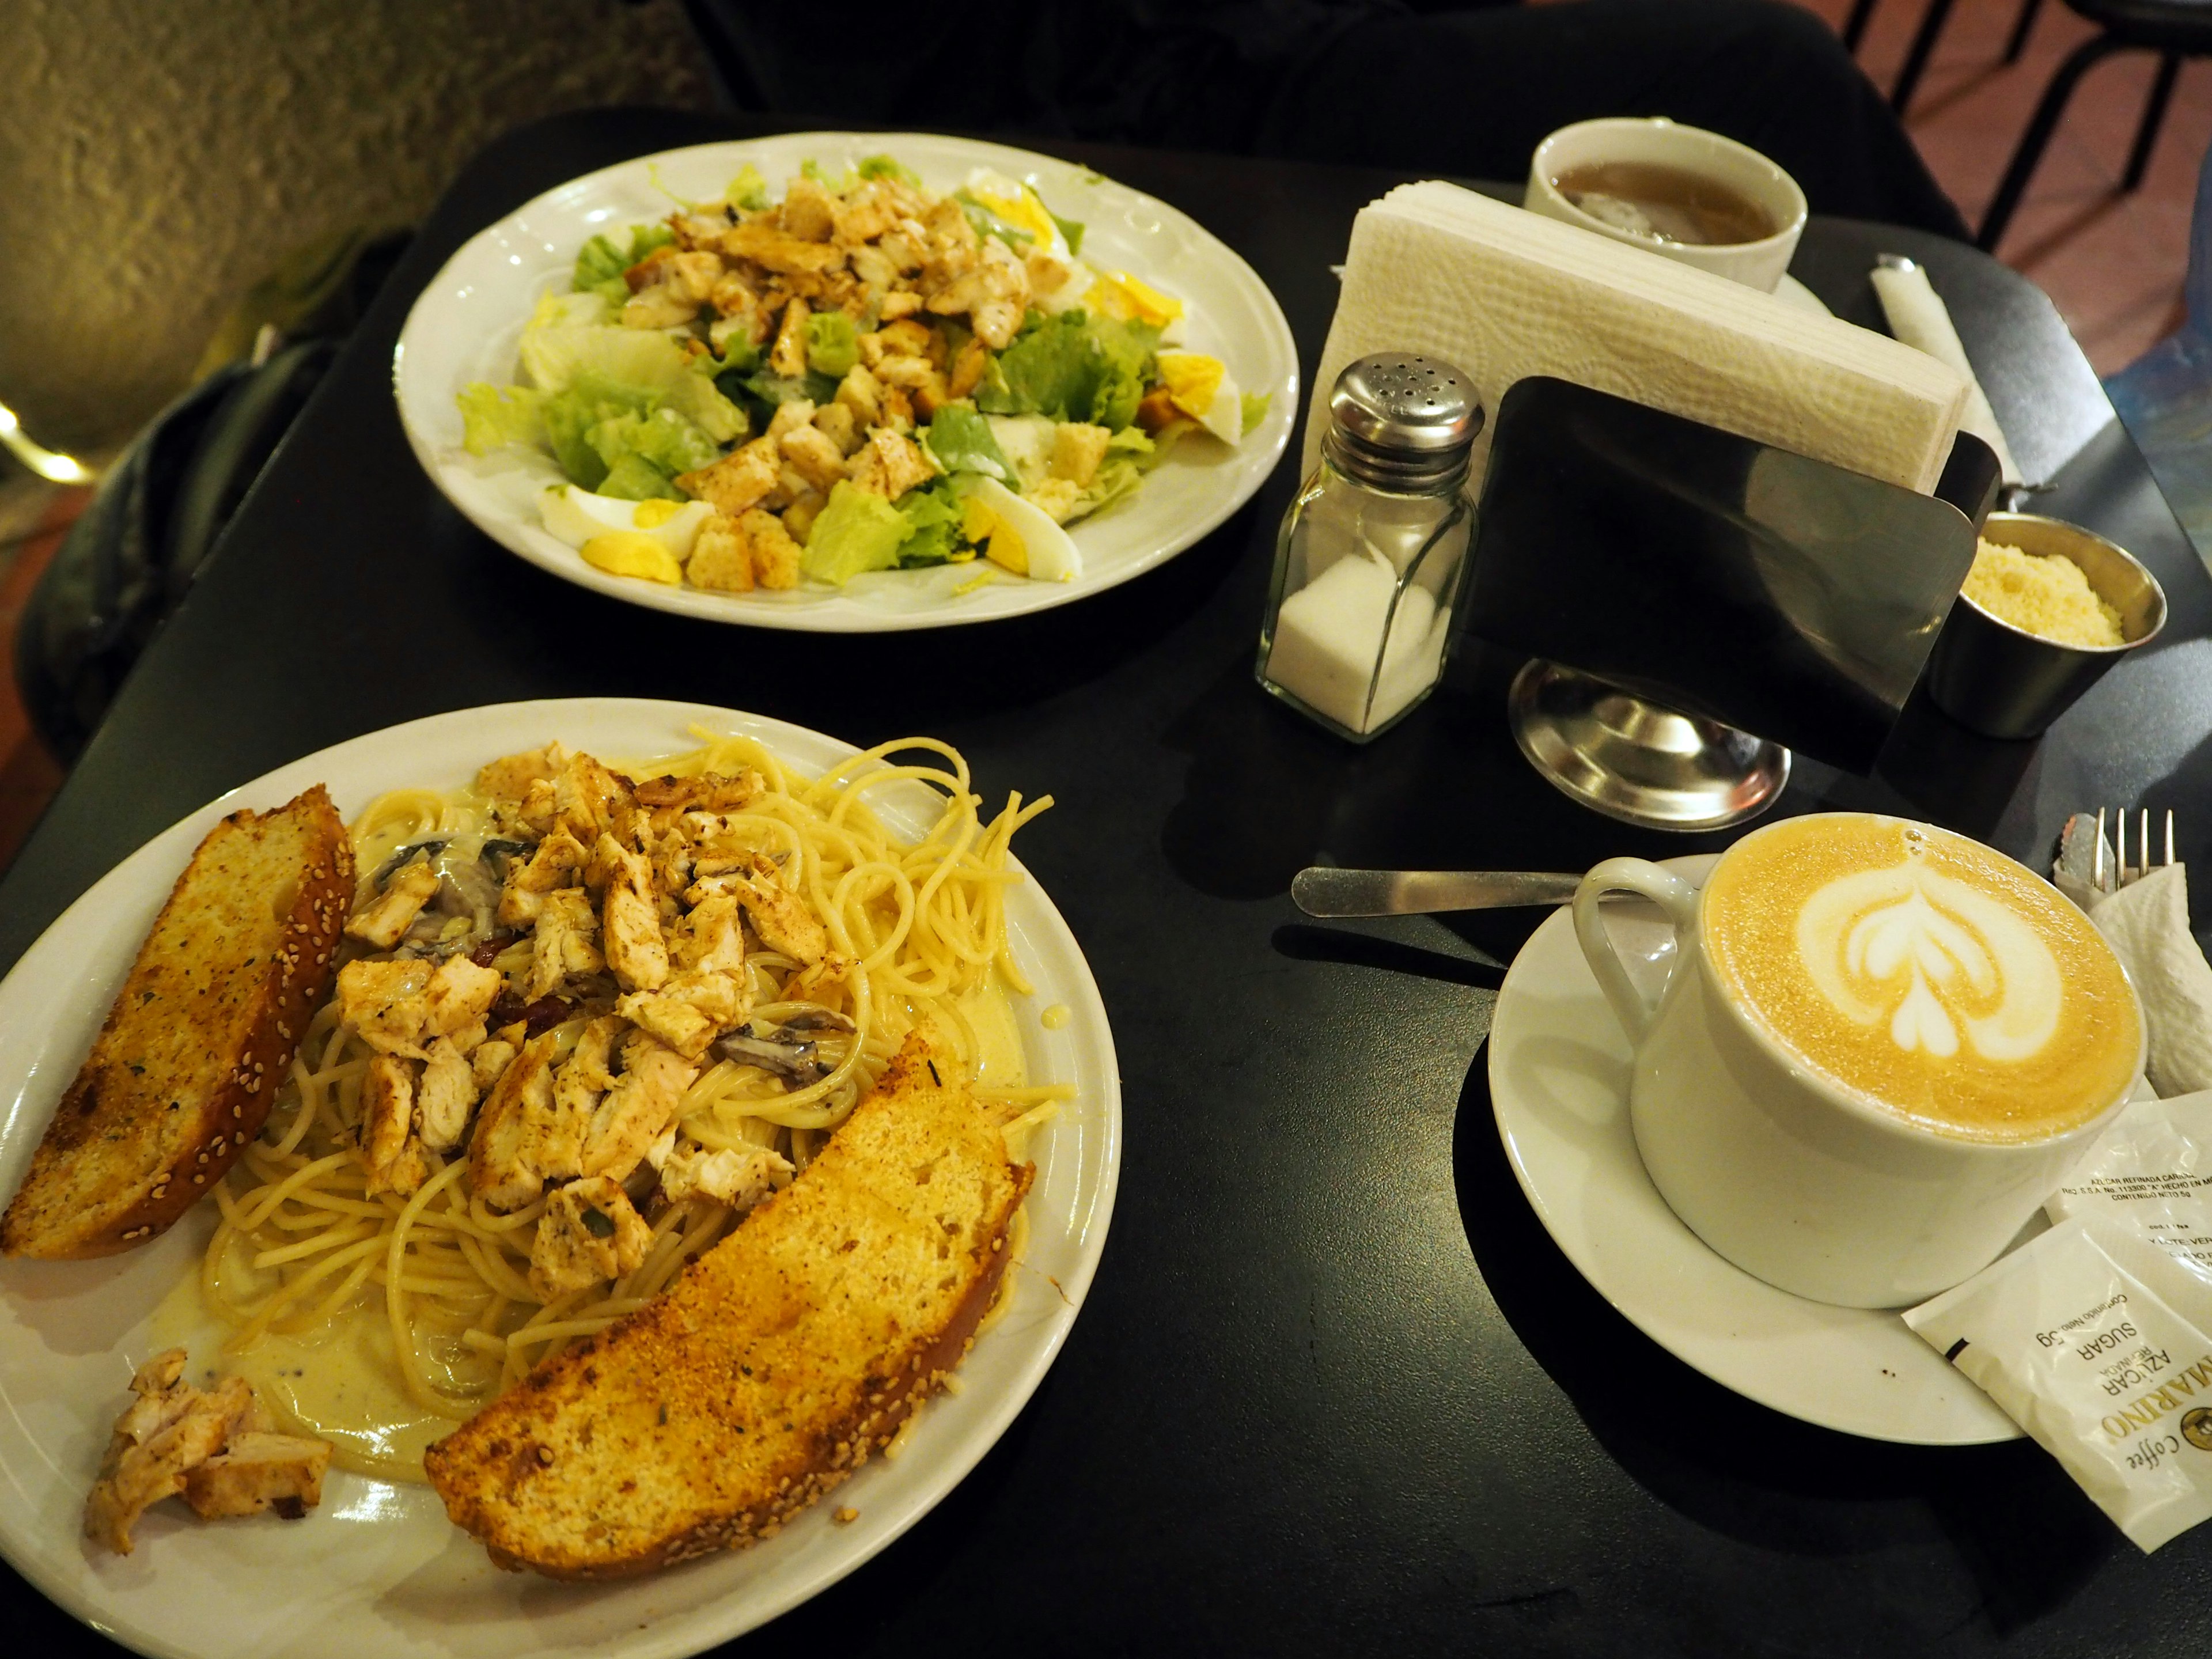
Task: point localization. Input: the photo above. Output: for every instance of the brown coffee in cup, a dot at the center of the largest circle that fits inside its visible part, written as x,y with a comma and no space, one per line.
1926,973
1665,204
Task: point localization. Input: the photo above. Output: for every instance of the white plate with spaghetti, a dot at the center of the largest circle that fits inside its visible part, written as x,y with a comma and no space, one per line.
378,1559
1558,1083
467,325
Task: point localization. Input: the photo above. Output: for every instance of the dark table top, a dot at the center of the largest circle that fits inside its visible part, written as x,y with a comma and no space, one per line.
1334,1389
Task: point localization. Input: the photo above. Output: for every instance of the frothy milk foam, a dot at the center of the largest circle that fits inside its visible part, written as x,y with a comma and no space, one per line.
1924,972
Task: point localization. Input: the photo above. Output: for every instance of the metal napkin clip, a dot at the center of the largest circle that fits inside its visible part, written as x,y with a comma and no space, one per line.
1683,589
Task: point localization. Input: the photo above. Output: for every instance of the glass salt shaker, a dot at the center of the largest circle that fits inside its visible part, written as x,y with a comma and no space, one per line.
1369,564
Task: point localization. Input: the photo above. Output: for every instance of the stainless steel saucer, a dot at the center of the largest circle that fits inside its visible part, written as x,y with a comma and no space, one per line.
1637,760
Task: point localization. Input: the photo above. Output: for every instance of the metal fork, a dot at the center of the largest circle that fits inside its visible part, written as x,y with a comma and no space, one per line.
2108,877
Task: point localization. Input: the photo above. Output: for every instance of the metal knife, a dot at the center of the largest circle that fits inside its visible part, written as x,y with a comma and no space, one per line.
1326,892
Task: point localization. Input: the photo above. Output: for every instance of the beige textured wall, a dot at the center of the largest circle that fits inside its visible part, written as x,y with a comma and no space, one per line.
157,157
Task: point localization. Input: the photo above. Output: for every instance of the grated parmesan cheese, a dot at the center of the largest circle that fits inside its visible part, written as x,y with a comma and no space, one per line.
2043,594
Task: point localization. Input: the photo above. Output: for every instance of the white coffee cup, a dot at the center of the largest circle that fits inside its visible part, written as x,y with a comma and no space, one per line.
1656,140
1788,1174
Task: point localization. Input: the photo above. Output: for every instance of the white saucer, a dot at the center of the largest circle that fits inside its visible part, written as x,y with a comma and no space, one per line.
1803,298
1558,1083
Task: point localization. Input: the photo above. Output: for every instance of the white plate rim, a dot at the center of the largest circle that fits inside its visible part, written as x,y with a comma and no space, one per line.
939,1454
1932,1406
1252,462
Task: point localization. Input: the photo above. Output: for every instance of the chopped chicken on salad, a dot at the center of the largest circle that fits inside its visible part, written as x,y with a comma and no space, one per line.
866,376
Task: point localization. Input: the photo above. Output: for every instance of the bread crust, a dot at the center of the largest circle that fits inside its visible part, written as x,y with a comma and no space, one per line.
495,1472
112,1170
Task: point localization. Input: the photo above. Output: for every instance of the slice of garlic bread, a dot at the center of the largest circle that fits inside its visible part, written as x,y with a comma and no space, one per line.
771,1369
181,1075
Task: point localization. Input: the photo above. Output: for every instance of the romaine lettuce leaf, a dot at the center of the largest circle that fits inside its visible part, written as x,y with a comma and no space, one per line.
1073,367
833,343
748,191
668,440
634,478
933,518
885,167
1071,229
493,416
1254,405
856,531
836,183
961,440
988,223
601,261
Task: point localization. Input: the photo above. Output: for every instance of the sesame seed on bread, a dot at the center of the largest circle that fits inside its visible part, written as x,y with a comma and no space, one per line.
181,1075
775,1365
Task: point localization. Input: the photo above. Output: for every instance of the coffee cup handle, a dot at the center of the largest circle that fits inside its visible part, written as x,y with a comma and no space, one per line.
1664,889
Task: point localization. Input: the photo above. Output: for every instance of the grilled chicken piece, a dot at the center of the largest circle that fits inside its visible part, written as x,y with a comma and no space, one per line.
555,1146
788,356
509,777
388,1145
562,943
630,917
779,916
729,1176
590,1232
889,465
689,1010
257,1472
632,1114
584,798
397,1006
738,481
488,1062
169,1430
500,1170
444,1096
385,917
552,865
709,938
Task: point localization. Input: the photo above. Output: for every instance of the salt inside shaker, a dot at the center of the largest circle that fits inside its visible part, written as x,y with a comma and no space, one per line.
1369,563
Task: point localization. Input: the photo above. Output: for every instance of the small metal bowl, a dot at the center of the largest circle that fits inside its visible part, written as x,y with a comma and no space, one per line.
2004,681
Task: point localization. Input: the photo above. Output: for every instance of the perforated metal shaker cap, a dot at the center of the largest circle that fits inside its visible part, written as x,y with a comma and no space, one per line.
1401,421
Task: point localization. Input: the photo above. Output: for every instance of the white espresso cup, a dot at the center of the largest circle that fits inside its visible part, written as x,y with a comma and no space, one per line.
1656,141
1815,1186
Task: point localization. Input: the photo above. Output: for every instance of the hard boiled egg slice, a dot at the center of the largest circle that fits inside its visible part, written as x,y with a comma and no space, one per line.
1018,535
633,553
1019,205
1118,295
577,515
1203,388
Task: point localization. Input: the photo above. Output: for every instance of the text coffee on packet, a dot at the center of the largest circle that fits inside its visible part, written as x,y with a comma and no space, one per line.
2094,1341
2151,1171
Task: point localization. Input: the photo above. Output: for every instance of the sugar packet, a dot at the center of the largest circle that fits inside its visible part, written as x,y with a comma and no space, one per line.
2095,1341
2151,1171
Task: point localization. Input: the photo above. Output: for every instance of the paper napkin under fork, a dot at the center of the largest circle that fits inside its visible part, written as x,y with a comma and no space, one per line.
2147,924
1503,293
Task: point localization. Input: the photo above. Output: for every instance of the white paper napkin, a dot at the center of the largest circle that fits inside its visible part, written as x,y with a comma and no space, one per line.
1918,317
1503,293
2147,923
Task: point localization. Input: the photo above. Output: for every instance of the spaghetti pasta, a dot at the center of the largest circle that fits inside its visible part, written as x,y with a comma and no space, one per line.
449,1289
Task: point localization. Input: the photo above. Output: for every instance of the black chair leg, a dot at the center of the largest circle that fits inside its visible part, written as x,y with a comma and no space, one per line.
2161,94
2084,57
2020,25
1855,25
1923,48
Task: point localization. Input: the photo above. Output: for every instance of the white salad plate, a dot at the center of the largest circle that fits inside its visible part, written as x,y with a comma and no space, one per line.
465,327
1558,1083
377,1572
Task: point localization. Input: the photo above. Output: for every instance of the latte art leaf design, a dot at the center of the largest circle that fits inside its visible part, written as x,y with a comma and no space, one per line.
1939,963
